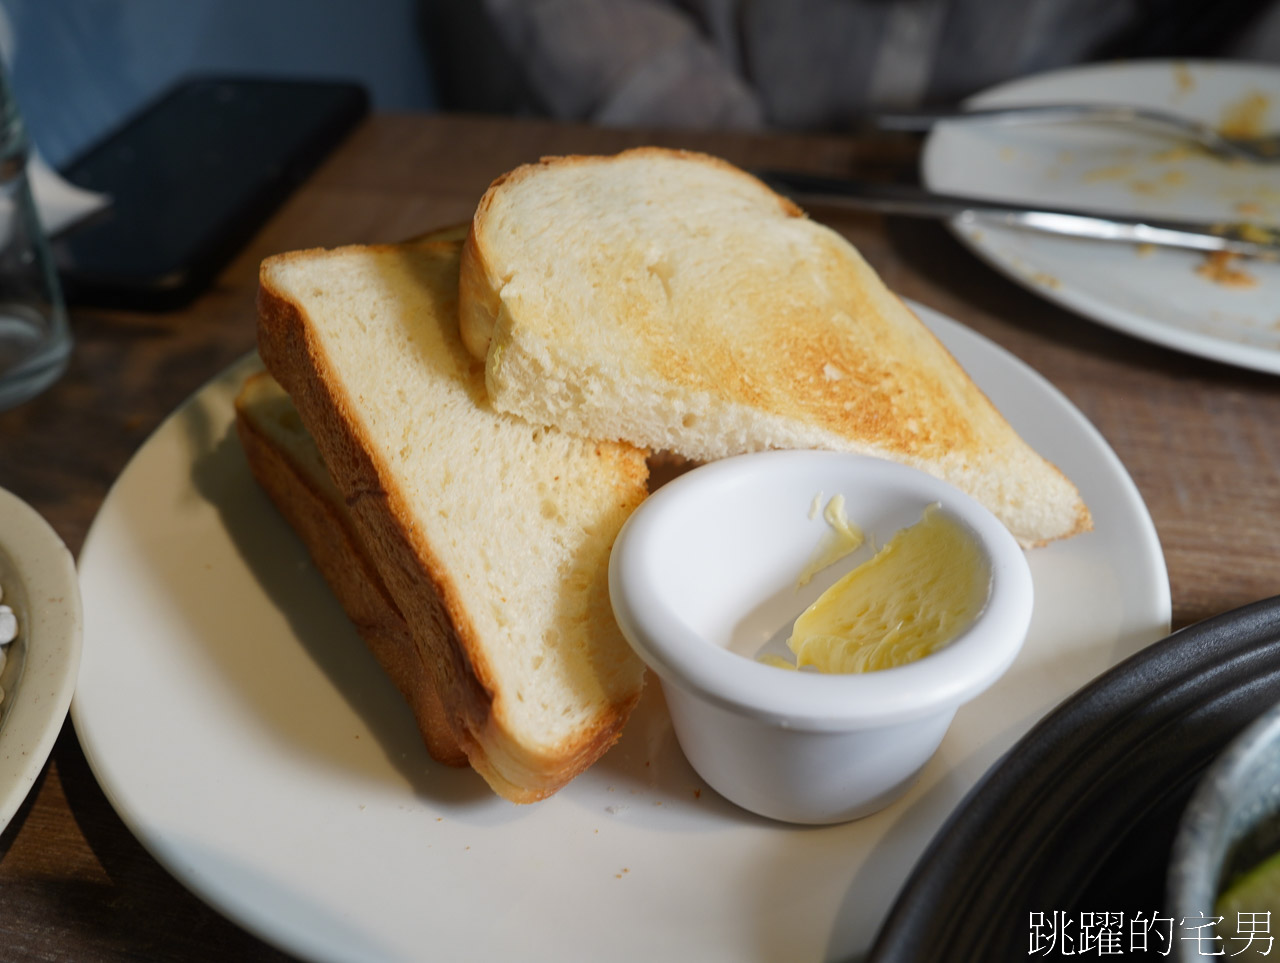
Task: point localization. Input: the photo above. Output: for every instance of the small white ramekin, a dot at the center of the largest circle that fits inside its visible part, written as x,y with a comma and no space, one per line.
703,576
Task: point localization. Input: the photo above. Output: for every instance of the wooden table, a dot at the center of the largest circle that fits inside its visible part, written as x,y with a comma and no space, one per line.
1201,440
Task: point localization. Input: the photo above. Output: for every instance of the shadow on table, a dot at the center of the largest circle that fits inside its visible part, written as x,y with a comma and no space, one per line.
19,817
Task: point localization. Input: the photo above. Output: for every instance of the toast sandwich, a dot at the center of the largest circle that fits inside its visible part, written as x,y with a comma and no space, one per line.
491,535
671,300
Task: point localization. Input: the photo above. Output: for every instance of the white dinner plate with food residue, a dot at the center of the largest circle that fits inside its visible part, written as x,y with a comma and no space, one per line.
1227,311
261,756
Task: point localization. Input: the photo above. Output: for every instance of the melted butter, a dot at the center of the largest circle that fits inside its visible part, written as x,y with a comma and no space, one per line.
917,594
839,540
777,661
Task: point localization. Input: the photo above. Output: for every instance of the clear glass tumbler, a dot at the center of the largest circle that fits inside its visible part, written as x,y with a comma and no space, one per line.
35,339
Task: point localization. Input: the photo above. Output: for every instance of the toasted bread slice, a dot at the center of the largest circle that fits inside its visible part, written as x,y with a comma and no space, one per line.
669,299
492,536
284,459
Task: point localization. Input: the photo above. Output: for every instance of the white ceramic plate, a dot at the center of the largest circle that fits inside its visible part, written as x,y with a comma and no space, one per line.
38,576
1155,294
239,727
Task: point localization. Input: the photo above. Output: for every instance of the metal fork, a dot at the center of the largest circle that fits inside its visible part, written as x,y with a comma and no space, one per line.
1257,150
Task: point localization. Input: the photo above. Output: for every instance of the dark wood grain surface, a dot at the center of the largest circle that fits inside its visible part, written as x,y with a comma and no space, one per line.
1201,440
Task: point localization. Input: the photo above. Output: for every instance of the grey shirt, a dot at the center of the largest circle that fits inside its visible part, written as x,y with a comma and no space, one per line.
808,64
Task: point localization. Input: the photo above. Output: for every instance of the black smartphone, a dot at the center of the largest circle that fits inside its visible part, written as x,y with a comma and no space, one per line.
191,177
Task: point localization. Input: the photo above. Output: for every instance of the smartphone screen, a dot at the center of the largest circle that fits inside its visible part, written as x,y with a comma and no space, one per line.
192,177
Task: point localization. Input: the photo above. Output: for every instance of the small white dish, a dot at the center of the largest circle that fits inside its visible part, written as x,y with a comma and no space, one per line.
38,576
703,580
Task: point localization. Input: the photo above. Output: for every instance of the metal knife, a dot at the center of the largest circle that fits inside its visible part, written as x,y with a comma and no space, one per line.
1247,238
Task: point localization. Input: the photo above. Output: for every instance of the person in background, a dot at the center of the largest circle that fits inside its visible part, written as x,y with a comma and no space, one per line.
798,64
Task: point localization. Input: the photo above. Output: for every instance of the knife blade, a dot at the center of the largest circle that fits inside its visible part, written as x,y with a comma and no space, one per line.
1241,237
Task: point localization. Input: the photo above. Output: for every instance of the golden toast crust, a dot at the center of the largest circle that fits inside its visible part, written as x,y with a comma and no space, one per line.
421,585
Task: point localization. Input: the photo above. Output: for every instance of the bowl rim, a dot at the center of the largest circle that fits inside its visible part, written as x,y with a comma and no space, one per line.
939,682
1206,832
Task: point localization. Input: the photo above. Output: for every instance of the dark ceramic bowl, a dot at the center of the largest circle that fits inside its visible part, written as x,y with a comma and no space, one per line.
1231,823
1080,815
